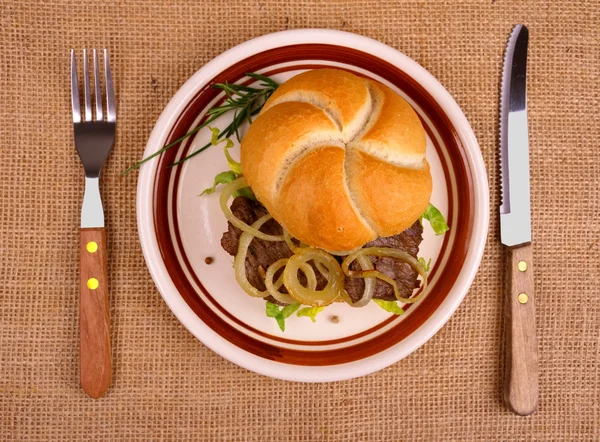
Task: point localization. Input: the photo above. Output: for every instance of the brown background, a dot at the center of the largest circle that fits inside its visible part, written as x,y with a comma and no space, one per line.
166,384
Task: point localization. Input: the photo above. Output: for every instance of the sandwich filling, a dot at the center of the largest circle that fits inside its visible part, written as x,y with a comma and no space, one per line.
262,254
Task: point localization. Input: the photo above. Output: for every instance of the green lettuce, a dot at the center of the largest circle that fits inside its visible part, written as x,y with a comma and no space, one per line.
280,316
436,219
234,172
311,312
426,265
245,192
222,178
234,165
389,306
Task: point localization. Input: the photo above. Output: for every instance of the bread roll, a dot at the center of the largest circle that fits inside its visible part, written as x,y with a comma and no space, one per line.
338,160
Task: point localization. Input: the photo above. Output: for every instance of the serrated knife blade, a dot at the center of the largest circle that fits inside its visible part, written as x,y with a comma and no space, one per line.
515,210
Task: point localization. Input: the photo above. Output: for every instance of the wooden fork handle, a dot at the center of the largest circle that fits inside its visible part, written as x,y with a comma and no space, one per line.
94,313
521,378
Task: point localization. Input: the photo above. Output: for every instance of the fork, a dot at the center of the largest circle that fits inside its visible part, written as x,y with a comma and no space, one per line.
94,140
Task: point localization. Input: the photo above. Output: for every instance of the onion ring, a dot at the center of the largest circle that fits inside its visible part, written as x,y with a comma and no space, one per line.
305,295
226,193
239,262
392,253
273,291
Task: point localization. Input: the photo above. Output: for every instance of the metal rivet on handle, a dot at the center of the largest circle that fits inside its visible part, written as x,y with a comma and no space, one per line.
522,266
91,247
92,283
523,298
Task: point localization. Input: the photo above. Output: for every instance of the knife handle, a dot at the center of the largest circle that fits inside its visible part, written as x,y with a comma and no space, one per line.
521,377
94,313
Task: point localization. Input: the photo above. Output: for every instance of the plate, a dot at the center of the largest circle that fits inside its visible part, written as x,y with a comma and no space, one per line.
179,229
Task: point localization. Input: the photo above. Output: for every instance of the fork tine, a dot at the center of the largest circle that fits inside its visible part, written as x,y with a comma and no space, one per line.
75,90
86,87
111,111
97,90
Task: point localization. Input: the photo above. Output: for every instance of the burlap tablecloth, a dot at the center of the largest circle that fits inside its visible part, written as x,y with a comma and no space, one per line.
166,384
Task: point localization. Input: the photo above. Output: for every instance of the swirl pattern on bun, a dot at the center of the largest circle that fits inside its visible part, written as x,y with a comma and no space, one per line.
338,160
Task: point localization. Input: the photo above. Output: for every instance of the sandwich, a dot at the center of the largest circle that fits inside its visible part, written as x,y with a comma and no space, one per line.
333,186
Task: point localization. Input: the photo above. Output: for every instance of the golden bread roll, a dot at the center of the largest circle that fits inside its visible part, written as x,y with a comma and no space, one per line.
338,160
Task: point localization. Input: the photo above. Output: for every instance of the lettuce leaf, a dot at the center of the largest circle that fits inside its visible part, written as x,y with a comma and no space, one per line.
426,265
289,310
246,192
234,166
235,169
311,312
389,306
227,177
436,219
222,178
272,309
280,316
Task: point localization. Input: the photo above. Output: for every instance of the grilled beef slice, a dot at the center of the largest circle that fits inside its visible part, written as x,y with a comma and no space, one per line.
261,254
403,274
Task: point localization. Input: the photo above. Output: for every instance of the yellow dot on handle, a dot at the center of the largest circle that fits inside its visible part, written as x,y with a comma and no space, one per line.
92,283
91,247
523,298
522,266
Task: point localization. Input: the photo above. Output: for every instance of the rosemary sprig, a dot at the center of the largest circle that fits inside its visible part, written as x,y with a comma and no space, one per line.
244,101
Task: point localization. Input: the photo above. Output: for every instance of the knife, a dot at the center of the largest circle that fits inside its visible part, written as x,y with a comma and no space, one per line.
521,376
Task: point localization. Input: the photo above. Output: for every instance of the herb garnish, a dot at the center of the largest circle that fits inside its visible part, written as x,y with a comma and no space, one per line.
244,101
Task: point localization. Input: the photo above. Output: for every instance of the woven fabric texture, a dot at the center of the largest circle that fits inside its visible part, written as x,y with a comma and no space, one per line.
166,385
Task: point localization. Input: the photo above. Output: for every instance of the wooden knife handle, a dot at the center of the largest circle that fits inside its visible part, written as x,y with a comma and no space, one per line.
521,378
94,313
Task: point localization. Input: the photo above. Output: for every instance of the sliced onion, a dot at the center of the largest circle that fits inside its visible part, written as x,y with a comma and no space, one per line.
322,269
271,288
365,265
226,193
239,262
342,253
325,263
288,240
293,247
381,252
309,272
305,295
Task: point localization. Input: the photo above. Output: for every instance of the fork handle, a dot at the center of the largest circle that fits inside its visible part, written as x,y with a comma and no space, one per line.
521,377
94,313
